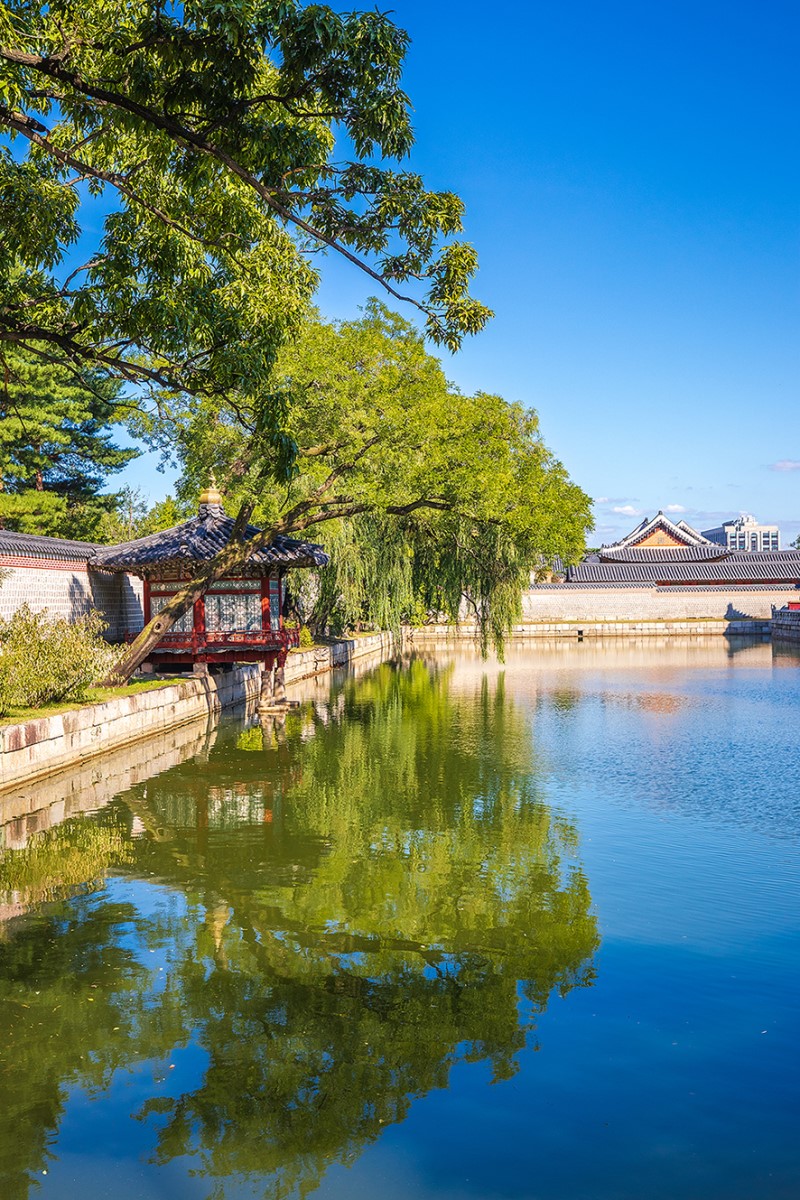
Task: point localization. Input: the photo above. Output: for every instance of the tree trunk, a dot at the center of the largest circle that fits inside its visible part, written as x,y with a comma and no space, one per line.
232,557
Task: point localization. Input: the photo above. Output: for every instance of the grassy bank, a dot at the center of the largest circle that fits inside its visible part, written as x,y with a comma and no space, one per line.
17,716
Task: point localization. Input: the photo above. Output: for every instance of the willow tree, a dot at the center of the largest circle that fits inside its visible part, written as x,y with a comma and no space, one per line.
463,485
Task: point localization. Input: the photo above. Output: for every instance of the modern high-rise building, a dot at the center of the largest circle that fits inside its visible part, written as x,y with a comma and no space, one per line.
745,533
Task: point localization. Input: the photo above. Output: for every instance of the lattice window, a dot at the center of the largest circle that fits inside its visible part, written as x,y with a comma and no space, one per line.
184,625
274,603
240,611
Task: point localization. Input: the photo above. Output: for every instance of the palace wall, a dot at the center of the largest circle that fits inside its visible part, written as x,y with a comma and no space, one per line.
69,589
570,602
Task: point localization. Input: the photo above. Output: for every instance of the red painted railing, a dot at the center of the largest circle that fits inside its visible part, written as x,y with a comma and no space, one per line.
221,640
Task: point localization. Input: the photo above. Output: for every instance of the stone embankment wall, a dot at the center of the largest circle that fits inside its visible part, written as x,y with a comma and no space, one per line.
36,748
556,603
86,786
447,635
68,589
302,664
786,626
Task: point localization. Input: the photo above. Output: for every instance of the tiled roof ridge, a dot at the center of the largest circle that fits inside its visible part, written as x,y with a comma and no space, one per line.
680,528
600,585
746,566
198,540
687,553
39,546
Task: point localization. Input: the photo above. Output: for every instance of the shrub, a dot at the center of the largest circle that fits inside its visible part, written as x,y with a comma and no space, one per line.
45,659
306,638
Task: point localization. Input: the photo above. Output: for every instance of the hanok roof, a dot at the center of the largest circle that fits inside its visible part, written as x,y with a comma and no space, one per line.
199,540
665,554
659,531
778,566
31,545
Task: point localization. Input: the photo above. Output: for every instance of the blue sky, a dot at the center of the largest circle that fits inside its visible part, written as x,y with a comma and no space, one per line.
632,182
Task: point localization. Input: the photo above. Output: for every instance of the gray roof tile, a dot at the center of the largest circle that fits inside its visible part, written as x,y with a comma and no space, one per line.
198,540
780,566
32,545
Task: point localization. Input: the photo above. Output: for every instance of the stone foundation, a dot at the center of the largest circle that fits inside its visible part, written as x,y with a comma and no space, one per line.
302,664
786,626
579,630
26,810
35,749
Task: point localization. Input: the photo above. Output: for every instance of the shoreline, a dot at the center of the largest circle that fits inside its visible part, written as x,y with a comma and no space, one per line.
33,750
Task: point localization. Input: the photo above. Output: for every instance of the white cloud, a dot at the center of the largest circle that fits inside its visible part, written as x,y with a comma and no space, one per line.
786,464
627,510
601,500
675,508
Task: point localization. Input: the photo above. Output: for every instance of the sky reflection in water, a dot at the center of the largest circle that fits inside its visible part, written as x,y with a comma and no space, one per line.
456,931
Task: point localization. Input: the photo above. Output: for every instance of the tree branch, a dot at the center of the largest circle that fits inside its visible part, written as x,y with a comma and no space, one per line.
52,67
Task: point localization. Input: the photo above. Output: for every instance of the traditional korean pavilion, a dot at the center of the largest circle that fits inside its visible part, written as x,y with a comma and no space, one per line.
240,618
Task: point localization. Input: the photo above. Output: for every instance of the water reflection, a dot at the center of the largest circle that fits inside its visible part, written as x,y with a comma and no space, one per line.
323,917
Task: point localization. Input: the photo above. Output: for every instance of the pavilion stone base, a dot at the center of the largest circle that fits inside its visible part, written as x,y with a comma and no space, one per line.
273,697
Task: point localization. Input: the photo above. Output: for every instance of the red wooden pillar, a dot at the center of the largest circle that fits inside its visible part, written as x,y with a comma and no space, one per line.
265,603
199,624
146,602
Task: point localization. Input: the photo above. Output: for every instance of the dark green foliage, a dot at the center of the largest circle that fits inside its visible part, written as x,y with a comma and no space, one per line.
427,500
56,451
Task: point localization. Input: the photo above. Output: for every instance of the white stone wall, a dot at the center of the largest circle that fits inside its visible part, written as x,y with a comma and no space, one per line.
304,664
70,590
564,603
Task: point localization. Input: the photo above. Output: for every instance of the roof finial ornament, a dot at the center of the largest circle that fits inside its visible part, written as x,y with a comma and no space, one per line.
211,495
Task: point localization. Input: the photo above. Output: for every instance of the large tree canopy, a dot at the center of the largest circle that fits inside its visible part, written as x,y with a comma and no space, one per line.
169,168
167,172
458,490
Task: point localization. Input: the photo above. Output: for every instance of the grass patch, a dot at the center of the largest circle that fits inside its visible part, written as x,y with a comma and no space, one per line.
96,695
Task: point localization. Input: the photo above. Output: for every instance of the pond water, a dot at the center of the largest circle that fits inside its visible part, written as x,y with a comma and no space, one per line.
455,930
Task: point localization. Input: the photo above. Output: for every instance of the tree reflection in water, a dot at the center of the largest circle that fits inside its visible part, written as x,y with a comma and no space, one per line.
367,897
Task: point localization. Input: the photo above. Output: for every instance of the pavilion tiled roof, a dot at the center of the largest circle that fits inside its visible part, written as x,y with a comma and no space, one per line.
199,540
195,541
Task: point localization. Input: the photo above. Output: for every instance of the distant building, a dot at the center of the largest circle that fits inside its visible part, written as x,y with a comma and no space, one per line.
745,533
664,553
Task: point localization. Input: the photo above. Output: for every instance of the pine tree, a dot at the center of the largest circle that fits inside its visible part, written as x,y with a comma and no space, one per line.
56,451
